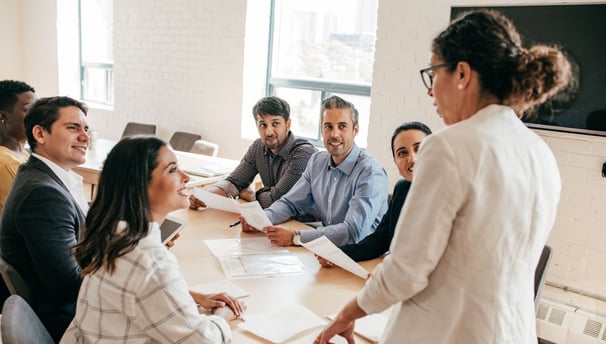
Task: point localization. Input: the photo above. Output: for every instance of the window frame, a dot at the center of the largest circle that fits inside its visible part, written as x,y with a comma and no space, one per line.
324,86
108,97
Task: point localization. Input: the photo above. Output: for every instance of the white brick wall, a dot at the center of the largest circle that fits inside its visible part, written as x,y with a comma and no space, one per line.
179,64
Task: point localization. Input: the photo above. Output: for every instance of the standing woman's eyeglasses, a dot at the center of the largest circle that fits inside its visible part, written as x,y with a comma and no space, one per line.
427,74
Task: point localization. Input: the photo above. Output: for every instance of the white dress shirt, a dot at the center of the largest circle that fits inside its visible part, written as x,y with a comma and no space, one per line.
145,300
469,236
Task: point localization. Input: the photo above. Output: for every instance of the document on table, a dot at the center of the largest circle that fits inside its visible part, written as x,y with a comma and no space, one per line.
279,326
327,250
242,246
261,264
370,327
252,257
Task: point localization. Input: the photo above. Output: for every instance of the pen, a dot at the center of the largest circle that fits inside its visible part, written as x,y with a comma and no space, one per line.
234,224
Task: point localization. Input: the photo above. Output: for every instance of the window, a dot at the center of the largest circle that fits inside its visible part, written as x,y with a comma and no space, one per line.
96,51
321,48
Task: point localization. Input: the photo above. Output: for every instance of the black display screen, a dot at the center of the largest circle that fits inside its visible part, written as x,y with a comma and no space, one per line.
580,31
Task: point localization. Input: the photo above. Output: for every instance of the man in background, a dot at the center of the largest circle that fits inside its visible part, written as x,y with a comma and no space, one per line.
16,97
45,210
347,186
277,156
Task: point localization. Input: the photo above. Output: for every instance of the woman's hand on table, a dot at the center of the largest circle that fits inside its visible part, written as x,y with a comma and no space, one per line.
219,300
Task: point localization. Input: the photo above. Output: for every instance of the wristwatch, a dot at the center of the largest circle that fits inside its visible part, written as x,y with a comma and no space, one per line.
296,238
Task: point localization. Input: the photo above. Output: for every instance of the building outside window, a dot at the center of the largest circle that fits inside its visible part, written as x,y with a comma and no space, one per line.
320,48
96,51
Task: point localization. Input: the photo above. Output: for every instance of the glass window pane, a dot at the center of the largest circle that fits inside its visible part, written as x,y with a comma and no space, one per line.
330,40
97,30
304,111
96,83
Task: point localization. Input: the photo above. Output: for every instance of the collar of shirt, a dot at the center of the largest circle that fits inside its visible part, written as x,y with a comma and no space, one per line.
284,153
72,180
349,163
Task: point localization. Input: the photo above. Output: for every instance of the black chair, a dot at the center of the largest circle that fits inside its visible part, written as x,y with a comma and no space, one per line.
13,280
133,128
541,272
20,325
183,141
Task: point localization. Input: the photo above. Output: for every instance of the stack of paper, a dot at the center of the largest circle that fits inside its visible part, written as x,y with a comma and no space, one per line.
252,257
278,326
242,246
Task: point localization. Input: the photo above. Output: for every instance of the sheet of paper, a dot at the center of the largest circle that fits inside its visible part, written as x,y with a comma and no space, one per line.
261,264
243,246
309,338
370,327
216,201
327,250
221,286
280,325
254,214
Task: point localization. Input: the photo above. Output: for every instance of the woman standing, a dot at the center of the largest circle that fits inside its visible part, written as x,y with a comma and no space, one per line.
133,288
484,198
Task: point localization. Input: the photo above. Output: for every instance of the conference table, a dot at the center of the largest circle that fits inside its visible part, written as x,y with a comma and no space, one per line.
321,290
203,169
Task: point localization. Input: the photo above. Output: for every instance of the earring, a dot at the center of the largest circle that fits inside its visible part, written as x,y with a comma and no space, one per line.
460,86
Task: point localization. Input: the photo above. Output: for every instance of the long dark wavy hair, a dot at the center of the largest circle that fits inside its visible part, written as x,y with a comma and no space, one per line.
122,196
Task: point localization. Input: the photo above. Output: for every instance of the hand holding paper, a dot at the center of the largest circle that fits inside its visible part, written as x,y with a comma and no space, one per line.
327,250
215,201
254,215
252,211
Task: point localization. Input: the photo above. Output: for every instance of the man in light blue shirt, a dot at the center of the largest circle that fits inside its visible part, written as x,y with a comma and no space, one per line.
348,187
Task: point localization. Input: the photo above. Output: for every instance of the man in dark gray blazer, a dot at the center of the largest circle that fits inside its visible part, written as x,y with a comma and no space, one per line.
45,210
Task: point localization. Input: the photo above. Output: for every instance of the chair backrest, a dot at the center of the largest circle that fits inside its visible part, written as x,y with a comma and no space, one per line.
133,128
541,272
13,280
183,141
20,325
205,147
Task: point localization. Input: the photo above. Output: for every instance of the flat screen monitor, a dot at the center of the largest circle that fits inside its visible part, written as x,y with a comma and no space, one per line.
579,30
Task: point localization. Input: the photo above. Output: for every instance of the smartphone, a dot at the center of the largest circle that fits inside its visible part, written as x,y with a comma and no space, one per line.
169,228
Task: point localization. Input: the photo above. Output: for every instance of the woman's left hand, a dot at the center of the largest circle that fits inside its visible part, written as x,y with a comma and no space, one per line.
210,301
171,242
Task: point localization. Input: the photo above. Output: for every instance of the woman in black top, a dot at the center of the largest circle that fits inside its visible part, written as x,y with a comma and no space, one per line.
405,143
